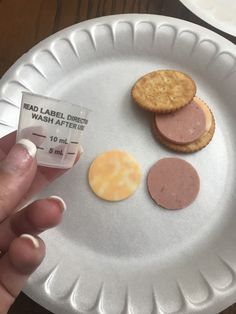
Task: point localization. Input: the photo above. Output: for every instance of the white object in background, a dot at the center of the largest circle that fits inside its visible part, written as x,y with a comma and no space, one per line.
219,13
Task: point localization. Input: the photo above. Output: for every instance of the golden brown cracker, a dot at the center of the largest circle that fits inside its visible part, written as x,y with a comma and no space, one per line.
114,175
164,91
200,143
206,110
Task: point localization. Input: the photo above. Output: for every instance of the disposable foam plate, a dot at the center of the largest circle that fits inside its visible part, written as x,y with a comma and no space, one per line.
219,13
132,256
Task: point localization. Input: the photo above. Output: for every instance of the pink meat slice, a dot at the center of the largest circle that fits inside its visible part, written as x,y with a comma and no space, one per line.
173,183
183,126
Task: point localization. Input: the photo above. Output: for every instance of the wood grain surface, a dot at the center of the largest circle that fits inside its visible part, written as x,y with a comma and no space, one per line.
23,23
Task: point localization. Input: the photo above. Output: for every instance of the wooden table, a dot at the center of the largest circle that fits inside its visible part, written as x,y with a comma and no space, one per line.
23,23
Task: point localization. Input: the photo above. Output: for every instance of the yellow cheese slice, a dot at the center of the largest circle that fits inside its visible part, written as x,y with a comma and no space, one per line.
114,175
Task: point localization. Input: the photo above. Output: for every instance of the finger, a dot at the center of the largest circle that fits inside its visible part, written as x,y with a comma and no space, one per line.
24,256
45,176
9,140
17,171
35,134
6,144
34,219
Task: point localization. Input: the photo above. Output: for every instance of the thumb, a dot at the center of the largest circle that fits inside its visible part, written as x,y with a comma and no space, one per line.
17,171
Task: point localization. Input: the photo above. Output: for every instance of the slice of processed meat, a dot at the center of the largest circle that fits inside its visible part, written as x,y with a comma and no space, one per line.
173,183
182,126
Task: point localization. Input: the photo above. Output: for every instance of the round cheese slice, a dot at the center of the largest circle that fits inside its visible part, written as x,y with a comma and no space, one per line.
114,175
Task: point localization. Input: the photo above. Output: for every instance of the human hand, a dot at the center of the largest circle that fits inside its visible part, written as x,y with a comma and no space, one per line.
21,250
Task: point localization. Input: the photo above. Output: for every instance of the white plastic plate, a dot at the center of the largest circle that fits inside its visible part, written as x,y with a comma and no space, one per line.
132,256
219,13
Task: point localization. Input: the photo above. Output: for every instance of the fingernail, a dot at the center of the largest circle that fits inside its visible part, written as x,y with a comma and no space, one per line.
60,201
29,146
33,240
20,156
80,149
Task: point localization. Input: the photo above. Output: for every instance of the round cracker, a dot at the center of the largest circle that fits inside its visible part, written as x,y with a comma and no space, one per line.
164,91
197,145
114,175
